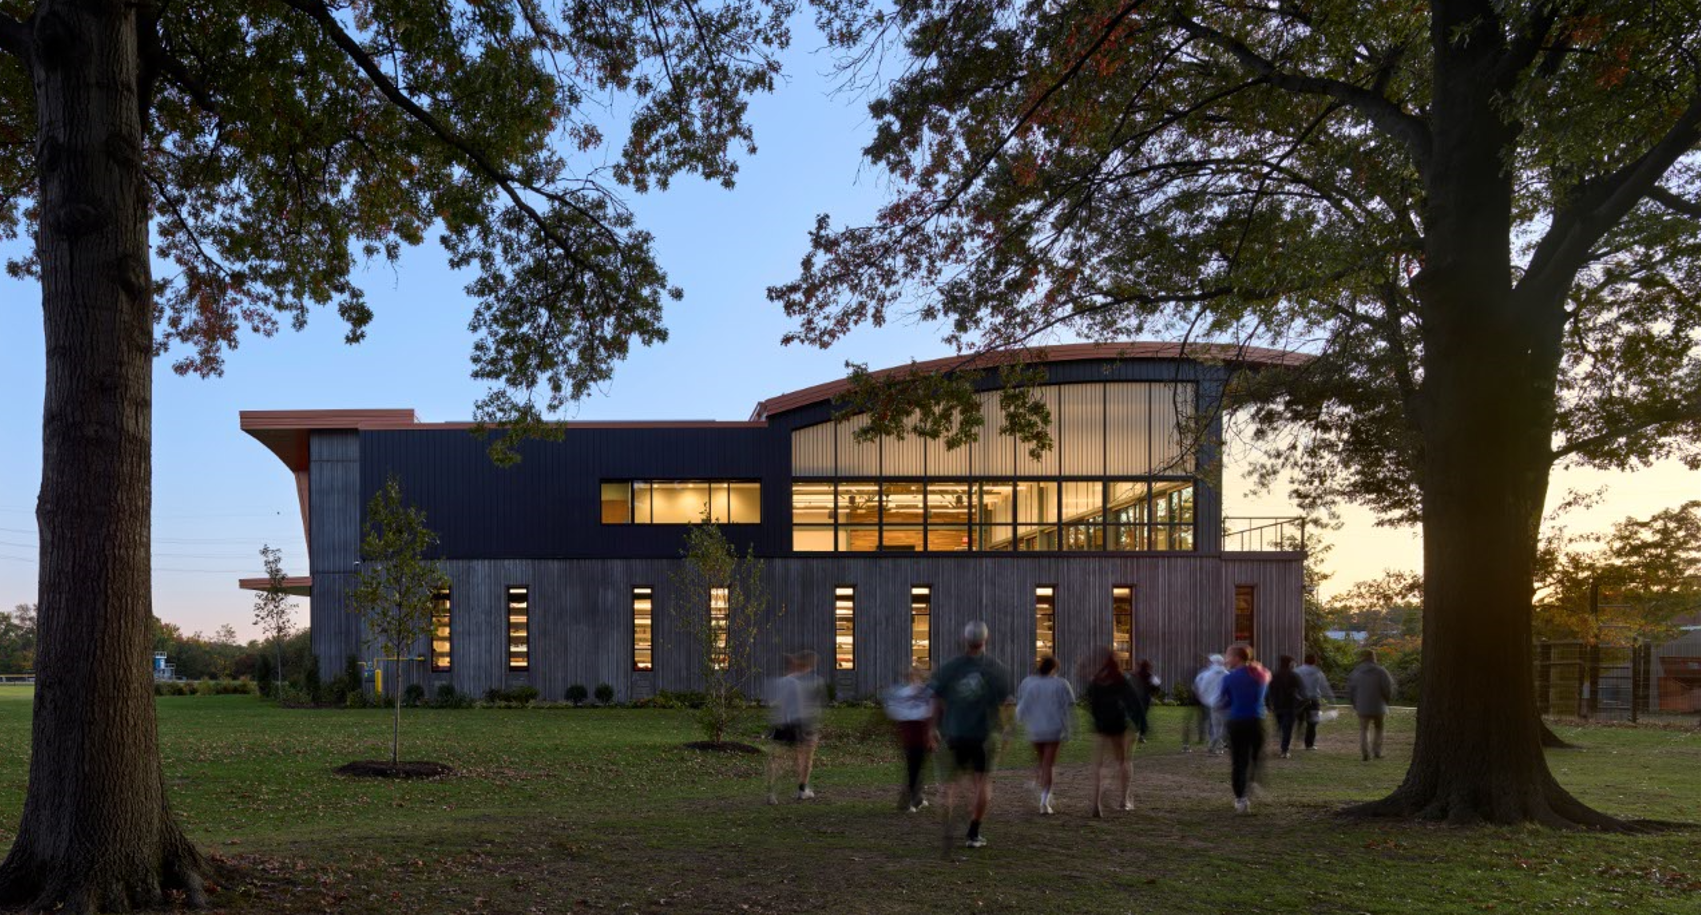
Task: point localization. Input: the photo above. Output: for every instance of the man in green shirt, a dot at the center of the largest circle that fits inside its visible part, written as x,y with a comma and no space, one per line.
969,694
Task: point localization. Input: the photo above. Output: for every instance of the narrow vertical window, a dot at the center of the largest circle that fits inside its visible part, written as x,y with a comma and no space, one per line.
617,503
1122,624
440,631
921,626
1045,622
1245,613
519,624
643,606
717,625
844,628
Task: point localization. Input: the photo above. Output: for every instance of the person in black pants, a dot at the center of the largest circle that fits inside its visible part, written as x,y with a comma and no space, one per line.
1286,697
1242,702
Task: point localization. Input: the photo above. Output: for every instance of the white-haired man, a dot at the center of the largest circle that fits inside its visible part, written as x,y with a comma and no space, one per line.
969,694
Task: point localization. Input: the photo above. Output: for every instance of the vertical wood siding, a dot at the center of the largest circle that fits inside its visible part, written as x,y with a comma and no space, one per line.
581,618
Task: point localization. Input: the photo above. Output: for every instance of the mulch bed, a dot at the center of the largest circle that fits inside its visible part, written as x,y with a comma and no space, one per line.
722,746
378,768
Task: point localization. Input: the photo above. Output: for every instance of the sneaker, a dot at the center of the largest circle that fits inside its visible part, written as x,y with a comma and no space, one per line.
1310,749
913,809
1186,749
1046,808
921,803
1126,807
1287,755
806,795
976,842
772,799
1242,805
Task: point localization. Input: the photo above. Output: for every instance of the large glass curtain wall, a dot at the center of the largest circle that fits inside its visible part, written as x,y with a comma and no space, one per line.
863,516
1117,479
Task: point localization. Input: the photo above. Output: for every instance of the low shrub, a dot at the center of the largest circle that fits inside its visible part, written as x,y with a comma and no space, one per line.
510,698
577,694
604,693
448,697
292,696
413,696
357,699
205,688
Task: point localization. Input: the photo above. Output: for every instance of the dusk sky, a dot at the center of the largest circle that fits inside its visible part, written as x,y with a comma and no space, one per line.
218,494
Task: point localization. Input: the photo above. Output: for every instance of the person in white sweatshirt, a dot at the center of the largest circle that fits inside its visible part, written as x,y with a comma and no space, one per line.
1045,705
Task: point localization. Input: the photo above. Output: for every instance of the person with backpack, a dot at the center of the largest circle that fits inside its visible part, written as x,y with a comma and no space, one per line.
1286,697
1370,688
1112,704
969,693
1045,705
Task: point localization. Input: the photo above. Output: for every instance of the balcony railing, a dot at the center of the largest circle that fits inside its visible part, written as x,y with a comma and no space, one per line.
1263,535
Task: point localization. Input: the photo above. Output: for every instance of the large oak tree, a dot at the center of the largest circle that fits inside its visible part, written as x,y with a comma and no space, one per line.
274,147
1482,218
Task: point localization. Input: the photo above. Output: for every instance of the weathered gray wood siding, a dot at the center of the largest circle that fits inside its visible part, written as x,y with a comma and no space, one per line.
334,518
581,614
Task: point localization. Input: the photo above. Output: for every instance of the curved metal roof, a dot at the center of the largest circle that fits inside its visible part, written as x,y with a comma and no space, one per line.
1068,352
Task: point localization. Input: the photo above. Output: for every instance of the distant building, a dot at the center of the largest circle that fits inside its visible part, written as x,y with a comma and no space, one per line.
162,669
878,552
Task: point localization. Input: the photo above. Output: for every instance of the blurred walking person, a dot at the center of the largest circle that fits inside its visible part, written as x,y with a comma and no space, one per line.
1112,704
1208,687
1241,699
794,707
1045,705
1195,714
1317,692
910,706
1286,697
1148,688
969,693
1370,688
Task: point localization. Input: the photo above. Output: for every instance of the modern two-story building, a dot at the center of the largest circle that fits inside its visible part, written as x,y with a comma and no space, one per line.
877,553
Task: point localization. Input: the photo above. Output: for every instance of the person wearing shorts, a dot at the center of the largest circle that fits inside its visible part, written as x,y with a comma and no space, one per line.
1112,703
1045,705
794,707
969,693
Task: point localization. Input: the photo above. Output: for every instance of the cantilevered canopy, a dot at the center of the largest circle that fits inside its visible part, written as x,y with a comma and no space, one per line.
297,585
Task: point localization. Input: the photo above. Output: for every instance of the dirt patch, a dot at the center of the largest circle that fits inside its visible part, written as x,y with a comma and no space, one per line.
722,746
377,768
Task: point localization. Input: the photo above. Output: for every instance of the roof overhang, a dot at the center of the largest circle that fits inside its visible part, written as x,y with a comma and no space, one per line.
297,585
287,432
1068,352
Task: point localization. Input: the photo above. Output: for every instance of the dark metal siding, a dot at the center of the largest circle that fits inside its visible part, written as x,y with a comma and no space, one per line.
548,505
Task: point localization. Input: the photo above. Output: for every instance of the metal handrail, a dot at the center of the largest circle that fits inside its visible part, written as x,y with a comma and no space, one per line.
1264,534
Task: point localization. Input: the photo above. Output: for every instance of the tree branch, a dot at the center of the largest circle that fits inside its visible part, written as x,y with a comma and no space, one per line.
1675,203
509,184
1681,411
15,36
1597,206
1388,117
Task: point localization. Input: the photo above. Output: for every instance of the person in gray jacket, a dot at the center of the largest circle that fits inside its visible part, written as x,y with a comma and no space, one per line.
1369,689
1317,692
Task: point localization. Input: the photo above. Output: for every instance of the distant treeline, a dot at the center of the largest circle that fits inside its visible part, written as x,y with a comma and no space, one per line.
196,656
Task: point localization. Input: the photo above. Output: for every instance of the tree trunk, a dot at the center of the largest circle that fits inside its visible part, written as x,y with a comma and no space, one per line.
396,720
96,832
1487,424
277,672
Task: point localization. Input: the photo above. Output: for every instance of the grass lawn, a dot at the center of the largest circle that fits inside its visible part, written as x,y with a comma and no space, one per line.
601,810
